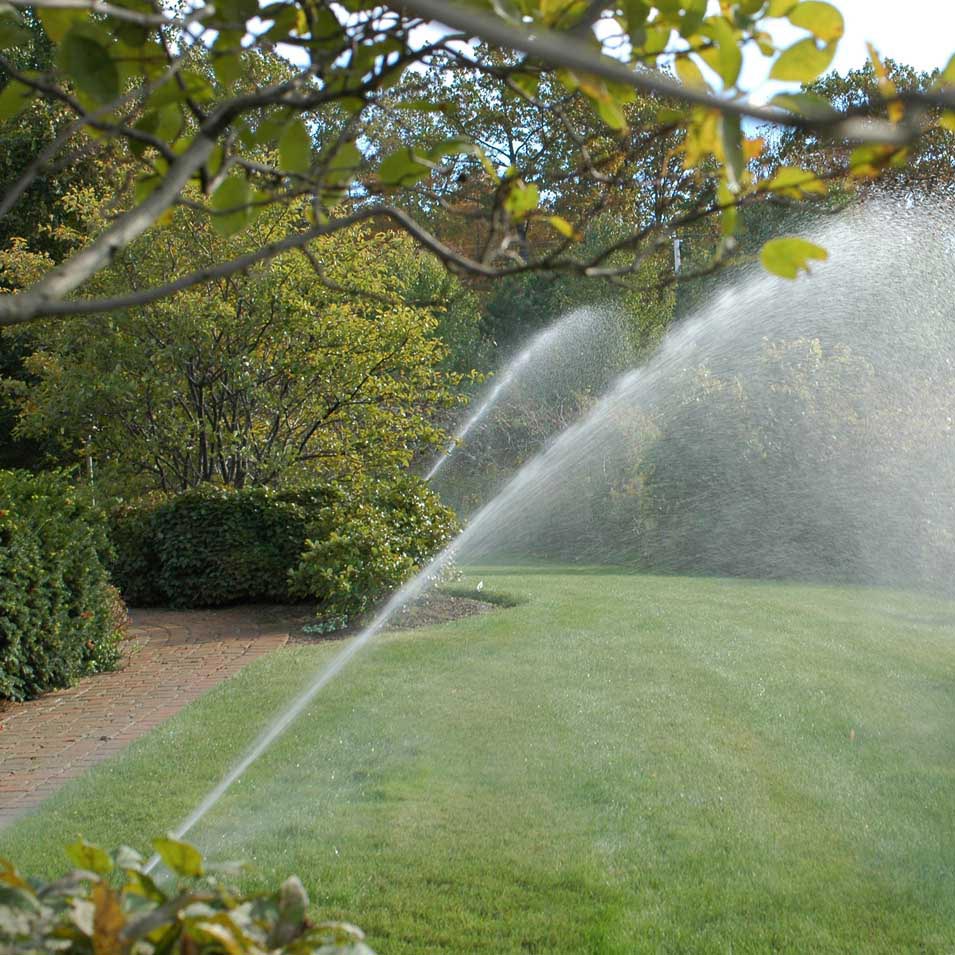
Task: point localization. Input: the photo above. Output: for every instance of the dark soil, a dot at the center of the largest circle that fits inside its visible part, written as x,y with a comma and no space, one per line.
428,611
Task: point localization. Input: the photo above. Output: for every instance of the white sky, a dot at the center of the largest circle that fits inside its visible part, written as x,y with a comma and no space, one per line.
920,33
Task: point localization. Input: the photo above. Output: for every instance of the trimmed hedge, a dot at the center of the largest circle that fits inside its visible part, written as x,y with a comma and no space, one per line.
208,547
342,546
60,618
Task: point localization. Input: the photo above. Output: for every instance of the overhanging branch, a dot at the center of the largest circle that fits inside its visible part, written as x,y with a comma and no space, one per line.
564,51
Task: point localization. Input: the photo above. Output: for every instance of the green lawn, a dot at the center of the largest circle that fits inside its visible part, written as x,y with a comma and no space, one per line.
619,764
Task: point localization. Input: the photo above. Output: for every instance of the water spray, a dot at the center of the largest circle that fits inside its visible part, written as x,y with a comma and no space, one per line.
891,526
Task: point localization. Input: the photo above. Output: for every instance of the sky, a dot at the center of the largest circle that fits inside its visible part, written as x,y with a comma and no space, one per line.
920,33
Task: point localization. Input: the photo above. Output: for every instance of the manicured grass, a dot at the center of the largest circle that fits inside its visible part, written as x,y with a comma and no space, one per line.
619,764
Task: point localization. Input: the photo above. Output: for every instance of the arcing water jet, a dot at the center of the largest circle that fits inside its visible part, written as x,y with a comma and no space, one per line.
787,430
580,335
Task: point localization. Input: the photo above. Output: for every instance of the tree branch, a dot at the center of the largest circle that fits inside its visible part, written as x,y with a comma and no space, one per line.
561,50
117,13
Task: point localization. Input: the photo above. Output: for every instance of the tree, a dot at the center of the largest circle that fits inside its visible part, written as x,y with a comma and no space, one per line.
925,166
179,93
263,377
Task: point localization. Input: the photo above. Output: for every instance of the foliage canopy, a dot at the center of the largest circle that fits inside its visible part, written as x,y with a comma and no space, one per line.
234,109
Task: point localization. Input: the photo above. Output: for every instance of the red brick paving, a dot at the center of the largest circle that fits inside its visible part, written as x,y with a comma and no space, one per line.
170,659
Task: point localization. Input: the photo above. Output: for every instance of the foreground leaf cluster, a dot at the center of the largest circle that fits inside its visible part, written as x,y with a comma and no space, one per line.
110,905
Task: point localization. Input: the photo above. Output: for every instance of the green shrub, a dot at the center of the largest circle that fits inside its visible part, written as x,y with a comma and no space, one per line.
342,546
60,618
364,544
109,904
132,533
209,547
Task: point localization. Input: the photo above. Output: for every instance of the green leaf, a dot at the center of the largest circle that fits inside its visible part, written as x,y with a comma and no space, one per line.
637,13
793,182
190,85
780,8
56,22
656,40
823,20
522,199
403,168
231,202
731,135
787,257
236,12
227,58
726,59
343,165
295,148
13,32
138,883
84,855
84,55
164,123
611,112
804,104
145,186
803,62
689,73
692,19
13,98
181,857
527,83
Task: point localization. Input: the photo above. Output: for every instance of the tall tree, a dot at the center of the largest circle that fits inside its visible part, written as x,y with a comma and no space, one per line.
263,377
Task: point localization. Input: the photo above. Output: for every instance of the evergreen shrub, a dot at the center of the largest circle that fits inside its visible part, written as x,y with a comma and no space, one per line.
60,618
343,546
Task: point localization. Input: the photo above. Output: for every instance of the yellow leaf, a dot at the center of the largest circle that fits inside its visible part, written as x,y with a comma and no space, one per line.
823,20
108,921
886,87
803,62
947,77
789,256
793,182
563,227
689,73
752,148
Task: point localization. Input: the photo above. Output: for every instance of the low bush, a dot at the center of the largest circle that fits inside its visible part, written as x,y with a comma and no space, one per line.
60,618
362,545
132,533
208,547
110,904
342,546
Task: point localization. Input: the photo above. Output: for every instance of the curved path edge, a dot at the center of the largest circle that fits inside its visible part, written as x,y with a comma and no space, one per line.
170,658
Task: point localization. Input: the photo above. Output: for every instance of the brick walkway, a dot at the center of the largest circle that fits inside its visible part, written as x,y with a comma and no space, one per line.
170,659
